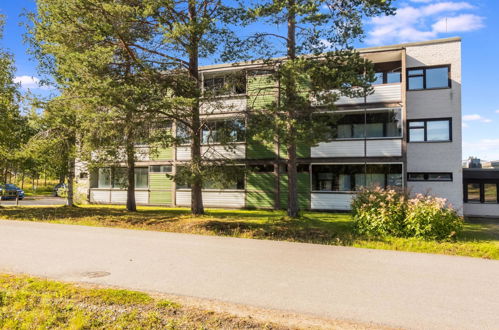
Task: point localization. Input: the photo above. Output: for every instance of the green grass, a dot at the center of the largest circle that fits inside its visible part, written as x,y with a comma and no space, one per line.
33,303
479,239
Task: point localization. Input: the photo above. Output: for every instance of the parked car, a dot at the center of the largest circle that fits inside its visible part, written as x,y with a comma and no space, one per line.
9,191
59,189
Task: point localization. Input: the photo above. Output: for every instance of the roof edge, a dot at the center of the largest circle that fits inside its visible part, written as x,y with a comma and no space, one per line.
360,50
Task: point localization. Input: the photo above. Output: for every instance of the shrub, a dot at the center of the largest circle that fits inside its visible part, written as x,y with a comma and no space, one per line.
385,212
379,212
431,218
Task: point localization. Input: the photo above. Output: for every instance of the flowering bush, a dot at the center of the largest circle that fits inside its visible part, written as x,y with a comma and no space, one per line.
431,218
386,212
379,212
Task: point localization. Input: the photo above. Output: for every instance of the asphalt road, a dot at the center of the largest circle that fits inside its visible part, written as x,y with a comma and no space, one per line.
386,287
36,201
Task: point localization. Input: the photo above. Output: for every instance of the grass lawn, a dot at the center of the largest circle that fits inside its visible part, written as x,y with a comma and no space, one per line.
477,240
32,303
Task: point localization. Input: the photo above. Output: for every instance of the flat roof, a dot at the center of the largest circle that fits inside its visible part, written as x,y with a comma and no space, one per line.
480,173
360,50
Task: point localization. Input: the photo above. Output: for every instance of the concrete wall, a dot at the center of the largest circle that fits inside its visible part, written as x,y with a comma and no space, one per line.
481,210
427,104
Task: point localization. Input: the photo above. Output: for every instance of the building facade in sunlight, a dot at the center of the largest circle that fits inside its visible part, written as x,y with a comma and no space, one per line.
406,134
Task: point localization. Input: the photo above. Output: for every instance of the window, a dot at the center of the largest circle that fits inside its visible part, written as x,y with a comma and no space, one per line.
428,78
377,124
429,177
352,177
104,178
480,192
223,131
430,130
225,85
490,193
230,178
266,168
141,177
160,168
117,177
387,73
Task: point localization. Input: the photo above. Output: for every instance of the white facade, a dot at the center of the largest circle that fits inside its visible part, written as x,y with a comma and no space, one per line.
439,157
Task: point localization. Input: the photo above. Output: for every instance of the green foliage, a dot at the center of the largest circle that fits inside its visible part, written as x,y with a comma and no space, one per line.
431,218
379,213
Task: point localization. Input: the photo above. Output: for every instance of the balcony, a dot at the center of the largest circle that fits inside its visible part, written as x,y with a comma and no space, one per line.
388,93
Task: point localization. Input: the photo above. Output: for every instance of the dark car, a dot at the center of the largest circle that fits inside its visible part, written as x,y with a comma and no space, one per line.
59,189
9,191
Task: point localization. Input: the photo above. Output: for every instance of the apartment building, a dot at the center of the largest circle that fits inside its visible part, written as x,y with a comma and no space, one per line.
407,133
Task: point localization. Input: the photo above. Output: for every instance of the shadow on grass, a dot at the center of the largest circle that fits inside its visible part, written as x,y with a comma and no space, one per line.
296,230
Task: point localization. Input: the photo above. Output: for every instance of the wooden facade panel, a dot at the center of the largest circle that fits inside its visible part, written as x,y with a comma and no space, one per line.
355,148
225,105
331,201
229,199
382,94
163,154
159,181
161,197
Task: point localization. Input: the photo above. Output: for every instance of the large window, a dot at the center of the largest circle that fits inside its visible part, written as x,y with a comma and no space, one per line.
428,78
419,176
117,177
225,84
231,178
387,73
374,124
430,130
350,177
223,131
485,193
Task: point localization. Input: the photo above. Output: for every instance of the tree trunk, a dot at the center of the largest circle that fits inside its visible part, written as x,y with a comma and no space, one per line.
197,207
291,91
130,158
71,178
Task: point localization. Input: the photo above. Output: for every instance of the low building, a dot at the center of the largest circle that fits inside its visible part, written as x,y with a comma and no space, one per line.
481,188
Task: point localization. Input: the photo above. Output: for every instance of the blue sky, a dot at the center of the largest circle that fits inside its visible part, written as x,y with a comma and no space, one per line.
476,21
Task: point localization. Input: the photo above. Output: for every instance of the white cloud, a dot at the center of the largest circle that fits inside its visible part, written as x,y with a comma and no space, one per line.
461,23
476,117
485,149
29,82
497,111
424,21
465,125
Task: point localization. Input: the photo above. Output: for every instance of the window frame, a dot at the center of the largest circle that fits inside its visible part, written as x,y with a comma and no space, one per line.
424,68
482,191
369,112
426,176
425,127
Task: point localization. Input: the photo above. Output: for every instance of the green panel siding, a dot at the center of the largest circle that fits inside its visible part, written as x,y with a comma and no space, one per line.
260,189
260,181
163,154
259,150
159,181
302,151
303,190
260,199
260,91
160,197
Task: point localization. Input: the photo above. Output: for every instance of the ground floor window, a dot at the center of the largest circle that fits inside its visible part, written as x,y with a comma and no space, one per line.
231,178
117,177
419,176
480,192
352,177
